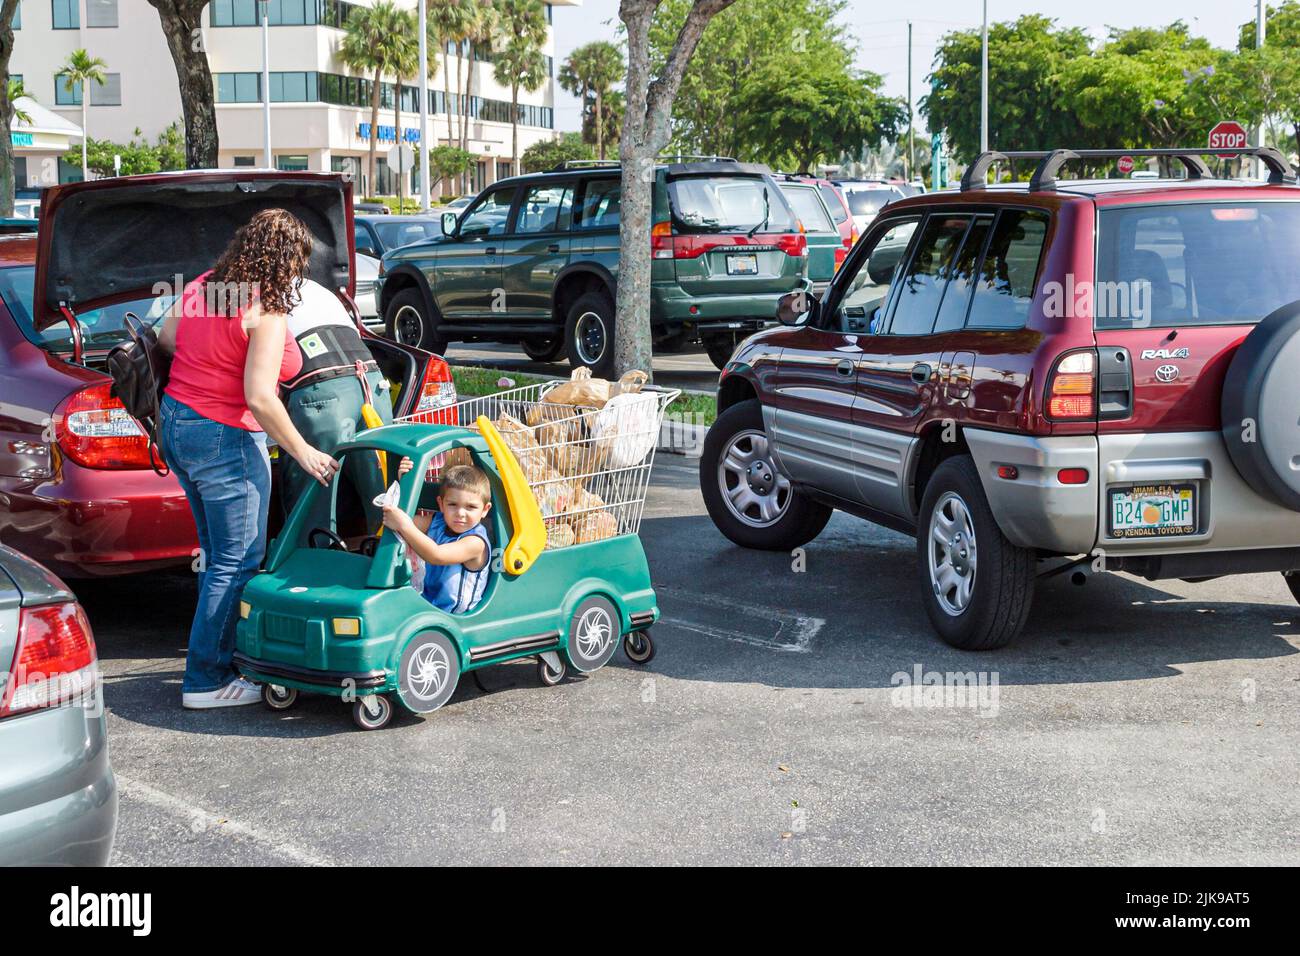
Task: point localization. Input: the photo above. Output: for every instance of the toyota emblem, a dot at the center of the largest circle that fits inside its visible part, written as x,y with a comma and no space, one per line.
1166,373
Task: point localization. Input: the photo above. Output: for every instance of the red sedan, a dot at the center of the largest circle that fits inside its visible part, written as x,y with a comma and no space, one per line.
76,489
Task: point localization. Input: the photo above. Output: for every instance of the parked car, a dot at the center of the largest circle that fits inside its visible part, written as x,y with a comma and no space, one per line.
535,260
58,797
456,205
76,488
376,235
866,198
27,208
826,250
367,272
371,209
968,392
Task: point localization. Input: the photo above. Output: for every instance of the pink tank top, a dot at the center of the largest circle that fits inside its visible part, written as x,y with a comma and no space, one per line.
207,371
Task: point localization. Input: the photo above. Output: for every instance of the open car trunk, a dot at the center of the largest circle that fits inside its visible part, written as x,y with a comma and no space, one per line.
110,240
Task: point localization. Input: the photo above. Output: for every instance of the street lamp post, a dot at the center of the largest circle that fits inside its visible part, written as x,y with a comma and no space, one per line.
984,81
423,143
266,81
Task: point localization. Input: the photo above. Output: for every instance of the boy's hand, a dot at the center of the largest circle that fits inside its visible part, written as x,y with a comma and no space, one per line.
404,466
395,518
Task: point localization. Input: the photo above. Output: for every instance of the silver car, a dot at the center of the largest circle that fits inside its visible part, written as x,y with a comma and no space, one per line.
58,798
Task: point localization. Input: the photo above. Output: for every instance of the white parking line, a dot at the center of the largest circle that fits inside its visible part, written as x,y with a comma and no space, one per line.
201,820
798,629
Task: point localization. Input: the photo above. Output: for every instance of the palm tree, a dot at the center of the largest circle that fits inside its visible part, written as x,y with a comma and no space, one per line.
482,36
592,70
15,113
366,49
402,52
449,21
78,71
521,31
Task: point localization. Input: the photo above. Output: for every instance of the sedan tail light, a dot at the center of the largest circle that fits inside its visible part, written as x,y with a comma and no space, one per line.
54,662
437,392
1072,389
96,431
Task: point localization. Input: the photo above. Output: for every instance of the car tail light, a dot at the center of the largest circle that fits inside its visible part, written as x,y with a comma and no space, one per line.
1071,393
664,245
841,253
792,244
1072,476
437,391
95,430
54,661
852,240
661,241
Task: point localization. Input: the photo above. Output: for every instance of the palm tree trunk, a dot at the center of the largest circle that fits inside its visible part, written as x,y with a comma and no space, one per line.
397,133
85,92
514,128
7,183
374,134
453,137
464,111
600,124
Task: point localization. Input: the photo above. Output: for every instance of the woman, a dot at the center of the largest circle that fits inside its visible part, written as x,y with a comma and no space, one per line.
228,334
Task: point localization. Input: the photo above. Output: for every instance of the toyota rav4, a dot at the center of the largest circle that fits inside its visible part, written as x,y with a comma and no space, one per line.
1099,371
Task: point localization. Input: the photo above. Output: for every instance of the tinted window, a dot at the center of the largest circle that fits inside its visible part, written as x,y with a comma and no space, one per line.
867,292
394,234
834,203
808,207
1195,264
729,204
600,204
1005,285
961,276
546,209
868,201
927,275
488,218
100,328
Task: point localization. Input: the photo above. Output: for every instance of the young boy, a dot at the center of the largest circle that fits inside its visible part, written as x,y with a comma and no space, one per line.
452,543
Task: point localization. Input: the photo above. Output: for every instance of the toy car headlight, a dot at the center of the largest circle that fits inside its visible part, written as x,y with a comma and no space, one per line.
346,626
244,608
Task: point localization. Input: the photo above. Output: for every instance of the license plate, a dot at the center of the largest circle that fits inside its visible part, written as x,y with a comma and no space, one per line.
742,265
1153,511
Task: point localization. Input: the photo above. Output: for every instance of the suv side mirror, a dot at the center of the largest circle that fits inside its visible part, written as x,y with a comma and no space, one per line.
448,223
797,308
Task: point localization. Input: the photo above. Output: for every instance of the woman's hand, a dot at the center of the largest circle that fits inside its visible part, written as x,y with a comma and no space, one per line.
317,464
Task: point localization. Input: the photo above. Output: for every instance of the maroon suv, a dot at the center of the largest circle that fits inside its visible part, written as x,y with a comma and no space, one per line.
1102,371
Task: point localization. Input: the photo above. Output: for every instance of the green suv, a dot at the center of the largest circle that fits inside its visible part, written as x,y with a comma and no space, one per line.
534,260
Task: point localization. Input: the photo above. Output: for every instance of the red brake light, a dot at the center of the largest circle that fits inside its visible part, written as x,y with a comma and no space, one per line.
54,661
437,392
1073,385
841,253
792,243
95,430
661,241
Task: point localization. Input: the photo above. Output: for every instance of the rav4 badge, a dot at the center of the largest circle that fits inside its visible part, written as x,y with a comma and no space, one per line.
1165,353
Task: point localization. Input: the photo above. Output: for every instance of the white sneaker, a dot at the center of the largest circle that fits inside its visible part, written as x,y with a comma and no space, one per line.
235,694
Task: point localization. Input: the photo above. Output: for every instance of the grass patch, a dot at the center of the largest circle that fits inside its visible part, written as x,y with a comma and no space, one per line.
473,382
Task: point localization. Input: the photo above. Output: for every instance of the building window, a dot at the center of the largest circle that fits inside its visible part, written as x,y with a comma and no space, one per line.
291,163
64,96
67,14
281,13
101,13
108,93
293,87
548,14
245,160
239,87
18,16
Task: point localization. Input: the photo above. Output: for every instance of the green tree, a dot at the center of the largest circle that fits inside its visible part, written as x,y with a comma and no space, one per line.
801,113
1030,106
590,73
549,153
1270,77
368,47
519,63
7,10
449,25
79,70
449,162
170,148
15,112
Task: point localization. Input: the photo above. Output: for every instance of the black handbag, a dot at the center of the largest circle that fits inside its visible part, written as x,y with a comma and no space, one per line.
139,368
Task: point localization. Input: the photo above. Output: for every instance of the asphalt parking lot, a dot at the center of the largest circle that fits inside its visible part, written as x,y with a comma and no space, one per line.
689,368
1133,723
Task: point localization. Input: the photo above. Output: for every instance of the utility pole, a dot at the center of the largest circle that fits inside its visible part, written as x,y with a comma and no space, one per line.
907,162
266,81
423,143
984,81
1259,45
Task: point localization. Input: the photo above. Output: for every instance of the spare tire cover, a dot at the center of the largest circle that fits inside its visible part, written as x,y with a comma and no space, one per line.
1261,407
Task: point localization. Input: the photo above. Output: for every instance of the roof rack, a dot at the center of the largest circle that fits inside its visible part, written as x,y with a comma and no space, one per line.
582,164
691,157
1051,161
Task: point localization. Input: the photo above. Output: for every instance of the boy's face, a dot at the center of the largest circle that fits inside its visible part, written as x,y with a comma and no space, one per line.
462,509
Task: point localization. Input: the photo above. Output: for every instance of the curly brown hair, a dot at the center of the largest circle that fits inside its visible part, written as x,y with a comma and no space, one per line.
268,255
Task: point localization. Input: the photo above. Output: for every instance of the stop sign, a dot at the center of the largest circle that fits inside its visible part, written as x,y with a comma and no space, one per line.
1125,165
1227,135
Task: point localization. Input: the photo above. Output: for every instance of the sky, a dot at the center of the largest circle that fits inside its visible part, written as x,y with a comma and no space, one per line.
881,31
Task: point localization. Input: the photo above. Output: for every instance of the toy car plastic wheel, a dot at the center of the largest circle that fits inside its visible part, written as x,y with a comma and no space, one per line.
428,672
638,647
548,677
593,633
279,698
977,586
372,712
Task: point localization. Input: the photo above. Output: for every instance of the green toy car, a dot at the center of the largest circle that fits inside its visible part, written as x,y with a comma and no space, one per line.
344,621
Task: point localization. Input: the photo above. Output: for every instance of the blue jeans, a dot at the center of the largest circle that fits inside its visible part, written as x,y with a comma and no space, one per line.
225,473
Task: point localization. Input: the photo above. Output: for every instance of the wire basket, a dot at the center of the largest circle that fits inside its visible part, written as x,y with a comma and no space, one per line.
589,468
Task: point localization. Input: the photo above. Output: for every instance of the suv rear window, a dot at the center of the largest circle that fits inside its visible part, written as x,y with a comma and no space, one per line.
808,207
729,204
1226,263
869,200
833,202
